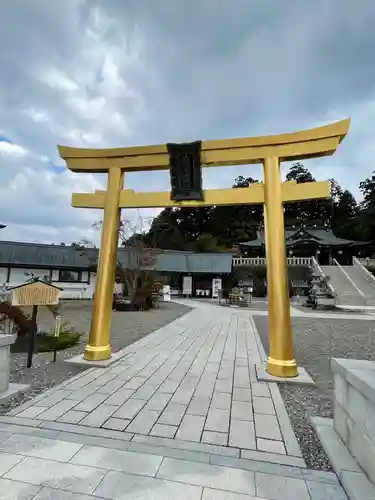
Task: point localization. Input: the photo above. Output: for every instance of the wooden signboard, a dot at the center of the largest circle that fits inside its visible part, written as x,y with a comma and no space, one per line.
35,293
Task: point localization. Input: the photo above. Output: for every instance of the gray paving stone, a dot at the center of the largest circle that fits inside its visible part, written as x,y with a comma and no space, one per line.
158,401
263,406
280,488
217,420
105,442
241,377
204,390
55,412
224,385
118,486
80,429
325,491
129,409
210,494
240,394
242,410
186,445
98,416
320,476
225,478
52,494
257,465
199,406
135,383
145,392
31,412
91,402
4,435
32,446
290,440
123,461
271,446
211,437
169,387
267,426
72,416
182,396
14,490
119,397
260,389
191,456
162,430
221,400
53,398
7,461
172,415
31,431
81,394
111,386
242,434
58,475
116,424
27,422
143,422
191,428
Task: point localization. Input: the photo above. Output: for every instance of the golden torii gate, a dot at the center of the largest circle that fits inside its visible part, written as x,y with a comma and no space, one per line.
272,193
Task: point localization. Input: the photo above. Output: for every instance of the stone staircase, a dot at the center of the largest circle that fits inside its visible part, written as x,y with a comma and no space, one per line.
363,280
347,293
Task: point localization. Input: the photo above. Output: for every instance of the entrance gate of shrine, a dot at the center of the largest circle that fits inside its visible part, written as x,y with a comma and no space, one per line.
185,162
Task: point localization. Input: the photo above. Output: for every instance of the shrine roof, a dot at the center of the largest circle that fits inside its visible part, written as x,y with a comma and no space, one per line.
41,256
318,235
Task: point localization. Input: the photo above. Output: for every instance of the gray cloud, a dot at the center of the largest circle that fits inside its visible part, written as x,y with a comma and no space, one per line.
123,72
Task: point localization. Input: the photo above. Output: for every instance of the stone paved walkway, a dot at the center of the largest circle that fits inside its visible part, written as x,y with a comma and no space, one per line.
181,415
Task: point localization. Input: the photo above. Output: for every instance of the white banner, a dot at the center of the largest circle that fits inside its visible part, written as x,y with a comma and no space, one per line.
187,285
216,286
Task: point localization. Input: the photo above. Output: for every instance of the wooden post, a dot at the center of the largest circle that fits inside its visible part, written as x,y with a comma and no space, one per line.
33,332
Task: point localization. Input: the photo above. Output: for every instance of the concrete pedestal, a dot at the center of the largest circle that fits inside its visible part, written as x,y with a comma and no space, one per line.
7,390
354,412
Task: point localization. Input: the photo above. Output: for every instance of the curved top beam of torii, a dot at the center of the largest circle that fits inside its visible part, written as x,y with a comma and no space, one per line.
316,142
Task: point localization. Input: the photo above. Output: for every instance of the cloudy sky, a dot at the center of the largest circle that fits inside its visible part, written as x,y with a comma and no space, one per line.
109,73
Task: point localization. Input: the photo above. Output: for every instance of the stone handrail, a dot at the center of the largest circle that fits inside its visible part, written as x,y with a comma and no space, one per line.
366,262
369,277
349,278
261,261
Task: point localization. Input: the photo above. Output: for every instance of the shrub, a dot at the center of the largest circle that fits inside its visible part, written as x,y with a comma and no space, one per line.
21,321
48,342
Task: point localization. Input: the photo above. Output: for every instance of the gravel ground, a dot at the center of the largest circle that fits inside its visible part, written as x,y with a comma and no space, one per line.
316,341
127,327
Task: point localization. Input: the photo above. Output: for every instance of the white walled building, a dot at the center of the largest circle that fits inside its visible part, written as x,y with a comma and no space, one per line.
64,266
71,269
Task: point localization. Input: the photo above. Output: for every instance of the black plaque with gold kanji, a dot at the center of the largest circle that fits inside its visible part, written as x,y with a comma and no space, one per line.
185,171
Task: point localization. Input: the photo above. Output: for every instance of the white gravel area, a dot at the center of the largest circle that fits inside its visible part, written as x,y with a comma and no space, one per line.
316,340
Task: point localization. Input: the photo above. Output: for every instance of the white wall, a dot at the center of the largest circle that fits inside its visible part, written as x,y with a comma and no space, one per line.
3,275
70,290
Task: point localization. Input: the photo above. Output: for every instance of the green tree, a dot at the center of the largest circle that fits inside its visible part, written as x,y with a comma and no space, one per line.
345,212
367,215
165,231
310,212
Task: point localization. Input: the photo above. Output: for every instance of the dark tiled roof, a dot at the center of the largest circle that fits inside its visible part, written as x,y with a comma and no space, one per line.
320,236
35,255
